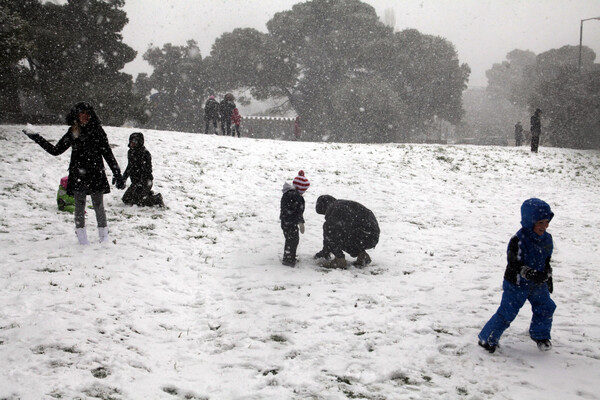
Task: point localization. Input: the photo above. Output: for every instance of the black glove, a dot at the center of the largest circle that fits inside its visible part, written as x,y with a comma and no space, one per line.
535,276
32,135
322,254
119,182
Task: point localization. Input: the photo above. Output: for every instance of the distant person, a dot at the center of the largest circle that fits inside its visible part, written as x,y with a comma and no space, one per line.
89,146
536,129
211,114
236,120
349,227
297,130
139,169
65,201
226,108
292,216
518,134
528,277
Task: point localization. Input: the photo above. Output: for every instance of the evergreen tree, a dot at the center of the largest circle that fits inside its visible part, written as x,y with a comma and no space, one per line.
345,72
508,79
425,72
15,43
77,55
552,81
180,87
247,58
570,100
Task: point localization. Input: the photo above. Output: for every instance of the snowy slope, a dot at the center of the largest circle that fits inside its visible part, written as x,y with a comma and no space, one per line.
191,302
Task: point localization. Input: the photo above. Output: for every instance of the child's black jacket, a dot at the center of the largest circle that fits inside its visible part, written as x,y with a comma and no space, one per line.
139,162
292,206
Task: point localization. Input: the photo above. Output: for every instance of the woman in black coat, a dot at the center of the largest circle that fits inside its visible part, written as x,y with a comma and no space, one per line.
89,146
211,113
226,110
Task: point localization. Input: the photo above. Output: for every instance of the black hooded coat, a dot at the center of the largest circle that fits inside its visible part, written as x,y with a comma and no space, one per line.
139,161
349,226
211,110
86,168
226,109
536,123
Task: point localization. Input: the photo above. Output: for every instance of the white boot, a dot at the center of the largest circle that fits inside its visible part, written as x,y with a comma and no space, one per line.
103,234
82,236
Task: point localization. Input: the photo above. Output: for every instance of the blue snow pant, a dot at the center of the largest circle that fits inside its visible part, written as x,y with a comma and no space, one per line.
513,298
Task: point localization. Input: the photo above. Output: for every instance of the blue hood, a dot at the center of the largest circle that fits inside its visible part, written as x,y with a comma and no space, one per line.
534,210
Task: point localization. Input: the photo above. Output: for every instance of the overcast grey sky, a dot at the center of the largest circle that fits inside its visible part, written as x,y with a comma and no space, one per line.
483,31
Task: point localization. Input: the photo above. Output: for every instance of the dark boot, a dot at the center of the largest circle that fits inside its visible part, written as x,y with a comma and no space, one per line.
323,254
338,262
363,259
159,200
489,347
544,345
290,262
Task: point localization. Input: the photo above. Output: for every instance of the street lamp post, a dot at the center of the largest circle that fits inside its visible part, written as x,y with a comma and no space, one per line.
581,36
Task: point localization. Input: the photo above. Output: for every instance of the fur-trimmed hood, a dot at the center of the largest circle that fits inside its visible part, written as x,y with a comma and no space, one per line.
73,115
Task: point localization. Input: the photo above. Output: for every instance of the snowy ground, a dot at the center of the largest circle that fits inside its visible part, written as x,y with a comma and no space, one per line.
191,302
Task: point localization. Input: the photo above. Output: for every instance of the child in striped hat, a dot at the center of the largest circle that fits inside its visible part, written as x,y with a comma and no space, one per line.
300,182
292,216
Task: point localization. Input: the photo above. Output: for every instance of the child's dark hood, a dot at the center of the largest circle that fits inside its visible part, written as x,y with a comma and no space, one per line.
139,138
323,203
534,210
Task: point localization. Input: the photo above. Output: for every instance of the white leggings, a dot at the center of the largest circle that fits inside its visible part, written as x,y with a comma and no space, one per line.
97,202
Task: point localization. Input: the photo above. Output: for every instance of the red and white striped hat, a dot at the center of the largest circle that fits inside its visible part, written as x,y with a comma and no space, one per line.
300,182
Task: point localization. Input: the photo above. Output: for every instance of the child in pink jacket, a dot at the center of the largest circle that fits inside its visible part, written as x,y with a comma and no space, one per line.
236,119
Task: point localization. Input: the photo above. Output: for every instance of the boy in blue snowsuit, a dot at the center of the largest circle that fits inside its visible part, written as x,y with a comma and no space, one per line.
528,276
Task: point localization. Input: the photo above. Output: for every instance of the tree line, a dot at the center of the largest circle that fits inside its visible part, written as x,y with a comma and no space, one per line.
568,94
55,55
348,75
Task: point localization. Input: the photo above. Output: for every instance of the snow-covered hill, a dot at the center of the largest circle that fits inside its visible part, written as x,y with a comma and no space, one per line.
191,301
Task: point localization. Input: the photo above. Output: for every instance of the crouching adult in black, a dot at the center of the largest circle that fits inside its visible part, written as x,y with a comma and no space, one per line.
349,227
139,169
